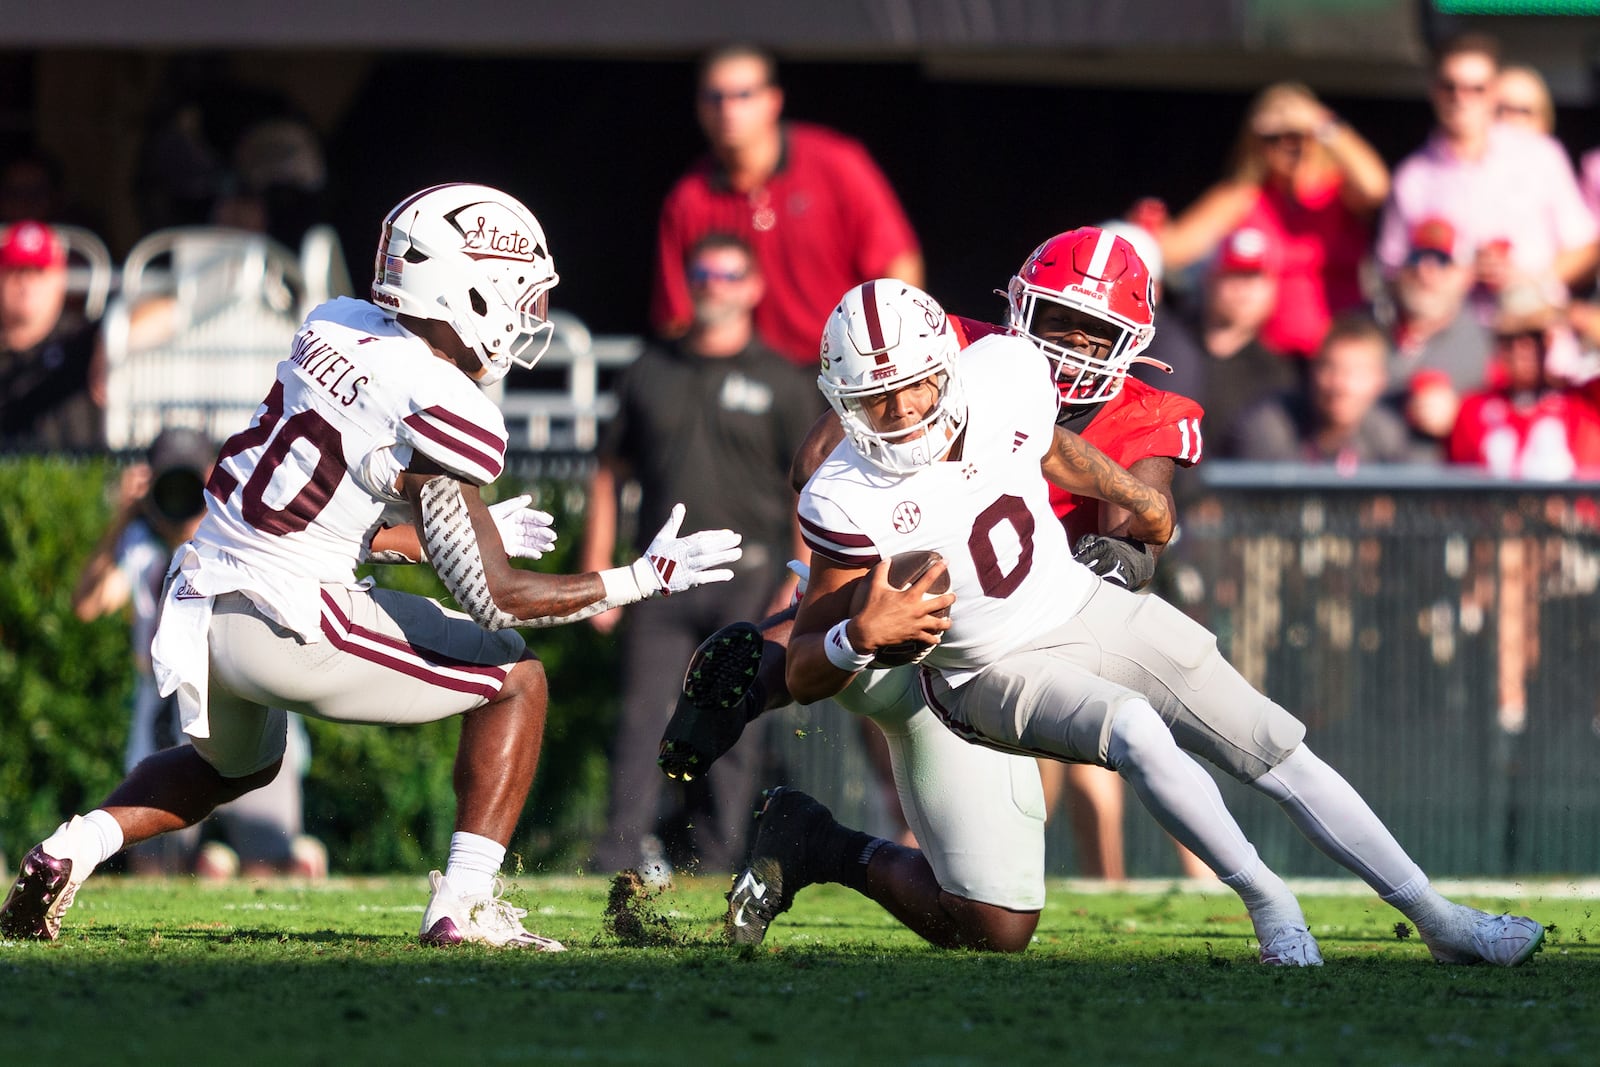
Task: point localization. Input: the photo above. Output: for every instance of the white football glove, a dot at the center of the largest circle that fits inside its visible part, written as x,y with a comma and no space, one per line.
673,564
526,532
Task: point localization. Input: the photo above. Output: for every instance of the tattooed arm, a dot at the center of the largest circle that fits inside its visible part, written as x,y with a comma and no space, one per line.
1078,467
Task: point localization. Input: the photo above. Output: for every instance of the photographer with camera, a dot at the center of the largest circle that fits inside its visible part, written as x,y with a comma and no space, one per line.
160,503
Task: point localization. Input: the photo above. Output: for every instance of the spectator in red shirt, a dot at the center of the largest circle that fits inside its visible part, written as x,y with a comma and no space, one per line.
1534,425
1312,184
818,212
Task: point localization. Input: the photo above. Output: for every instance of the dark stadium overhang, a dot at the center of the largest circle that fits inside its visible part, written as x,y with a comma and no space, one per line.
1374,47
894,28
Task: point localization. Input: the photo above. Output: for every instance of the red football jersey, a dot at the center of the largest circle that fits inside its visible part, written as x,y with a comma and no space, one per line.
970,330
1139,422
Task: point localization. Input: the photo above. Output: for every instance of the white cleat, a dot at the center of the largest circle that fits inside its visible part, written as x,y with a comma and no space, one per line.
1503,940
1292,946
485,919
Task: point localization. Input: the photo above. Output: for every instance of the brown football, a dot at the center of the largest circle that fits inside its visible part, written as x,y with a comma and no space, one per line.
906,568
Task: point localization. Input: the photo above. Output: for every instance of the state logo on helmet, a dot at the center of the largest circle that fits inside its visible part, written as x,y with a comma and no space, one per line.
1086,299
886,335
474,258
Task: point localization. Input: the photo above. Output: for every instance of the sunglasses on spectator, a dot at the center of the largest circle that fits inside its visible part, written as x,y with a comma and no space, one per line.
705,275
1455,88
714,97
1505,110
1437,255
1534,336
1283,137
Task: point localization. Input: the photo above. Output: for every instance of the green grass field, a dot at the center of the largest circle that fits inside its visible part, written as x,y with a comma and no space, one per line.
172,972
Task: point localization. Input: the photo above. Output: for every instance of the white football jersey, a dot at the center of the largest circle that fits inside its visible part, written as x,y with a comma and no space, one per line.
987,512
296,497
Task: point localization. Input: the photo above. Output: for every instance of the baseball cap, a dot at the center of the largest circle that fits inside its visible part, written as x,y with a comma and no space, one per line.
1247,250
1433,237
179,458
31,245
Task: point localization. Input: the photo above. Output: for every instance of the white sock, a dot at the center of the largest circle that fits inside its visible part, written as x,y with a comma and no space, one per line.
474,862
1270,903
87,840
1332,815
1435,917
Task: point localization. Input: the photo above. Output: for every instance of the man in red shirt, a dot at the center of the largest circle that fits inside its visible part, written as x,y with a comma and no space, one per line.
818,212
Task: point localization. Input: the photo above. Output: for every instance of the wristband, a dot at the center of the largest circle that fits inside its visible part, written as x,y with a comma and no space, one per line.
841,653
623,585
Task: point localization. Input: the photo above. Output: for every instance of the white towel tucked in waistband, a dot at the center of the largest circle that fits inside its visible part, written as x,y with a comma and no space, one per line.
180,653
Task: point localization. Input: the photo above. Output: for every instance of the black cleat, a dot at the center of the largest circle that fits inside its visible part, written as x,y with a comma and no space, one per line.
715,701
783,860
43,892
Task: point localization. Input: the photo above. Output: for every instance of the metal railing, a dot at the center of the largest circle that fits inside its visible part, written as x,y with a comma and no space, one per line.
1439,634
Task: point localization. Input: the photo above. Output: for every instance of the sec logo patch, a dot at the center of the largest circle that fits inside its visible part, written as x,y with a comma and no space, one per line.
907,516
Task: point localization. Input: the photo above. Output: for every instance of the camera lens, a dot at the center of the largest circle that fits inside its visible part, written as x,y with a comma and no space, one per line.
178,495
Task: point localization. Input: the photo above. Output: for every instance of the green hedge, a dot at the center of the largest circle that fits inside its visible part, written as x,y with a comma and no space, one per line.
379,798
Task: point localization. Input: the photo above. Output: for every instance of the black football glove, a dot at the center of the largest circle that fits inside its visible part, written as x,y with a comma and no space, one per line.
1118,560
721,692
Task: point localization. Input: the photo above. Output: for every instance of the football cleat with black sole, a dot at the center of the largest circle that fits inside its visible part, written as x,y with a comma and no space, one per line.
41,895
783,860
714,703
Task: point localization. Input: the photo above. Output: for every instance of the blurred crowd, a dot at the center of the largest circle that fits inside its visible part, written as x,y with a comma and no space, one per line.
1442,312
1322,306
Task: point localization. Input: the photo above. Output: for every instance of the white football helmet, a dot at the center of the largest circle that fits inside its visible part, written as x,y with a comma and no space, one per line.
474,258
884,335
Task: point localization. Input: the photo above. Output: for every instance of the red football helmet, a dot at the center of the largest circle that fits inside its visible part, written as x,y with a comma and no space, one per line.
1090,282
